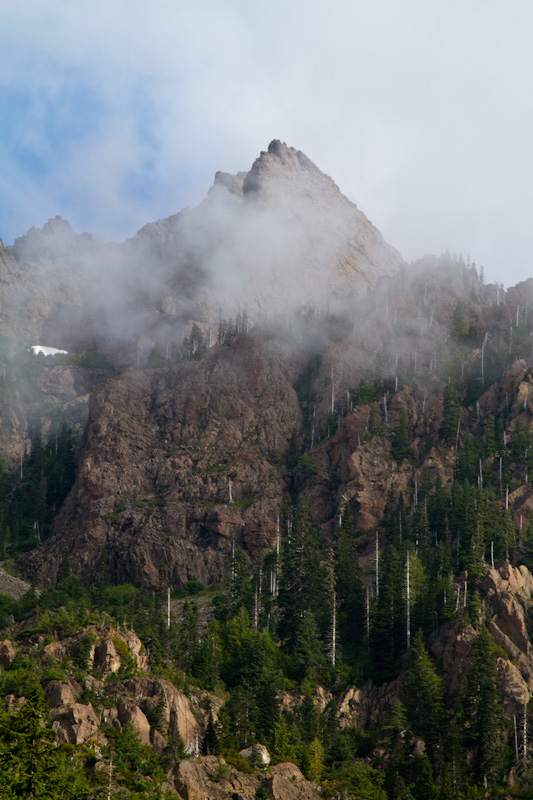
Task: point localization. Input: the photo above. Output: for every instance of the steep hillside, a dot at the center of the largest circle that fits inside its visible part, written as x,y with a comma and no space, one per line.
179,466
300,518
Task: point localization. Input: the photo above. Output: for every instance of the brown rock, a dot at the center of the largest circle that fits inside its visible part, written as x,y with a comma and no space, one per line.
106,658
76,724
507,578
455,647
56,651
130,713
158,741
515,691
509,616
7,653
367,705
211,777
136,649
178,718
227,417
288,783
62,693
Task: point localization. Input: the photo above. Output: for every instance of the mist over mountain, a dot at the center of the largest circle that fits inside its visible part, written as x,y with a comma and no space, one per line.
263,408
279,237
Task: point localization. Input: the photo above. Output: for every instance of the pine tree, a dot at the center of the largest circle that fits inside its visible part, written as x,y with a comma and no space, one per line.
349,590
423,695
210,743
450,414
309,655
400,444
387,633
30,764
303,585
483,712
188,638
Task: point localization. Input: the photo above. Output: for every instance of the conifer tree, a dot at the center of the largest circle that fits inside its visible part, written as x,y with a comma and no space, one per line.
388,617
483,712
303,585
450,414
423,695
210,742
30,764
400,444
349,589
308,649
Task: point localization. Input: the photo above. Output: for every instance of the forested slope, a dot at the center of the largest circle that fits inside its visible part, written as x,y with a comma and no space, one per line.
335,505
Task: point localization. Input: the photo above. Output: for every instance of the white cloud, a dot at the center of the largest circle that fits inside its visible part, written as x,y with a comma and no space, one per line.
419,110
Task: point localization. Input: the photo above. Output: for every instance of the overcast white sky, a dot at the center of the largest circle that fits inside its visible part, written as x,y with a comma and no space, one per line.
115,113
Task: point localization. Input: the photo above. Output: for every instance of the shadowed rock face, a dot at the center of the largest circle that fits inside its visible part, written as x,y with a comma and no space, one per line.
177,467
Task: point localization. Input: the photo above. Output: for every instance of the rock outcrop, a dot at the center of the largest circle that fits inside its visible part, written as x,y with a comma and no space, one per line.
208,776
179,466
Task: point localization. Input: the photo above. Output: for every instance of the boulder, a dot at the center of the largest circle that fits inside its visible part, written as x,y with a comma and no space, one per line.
136,649
106,658
211,777
76,724
515,690
509,617
257,755
454,648
7,653
286,782
506,578
367,705
62,693
129,712
158,741
178,718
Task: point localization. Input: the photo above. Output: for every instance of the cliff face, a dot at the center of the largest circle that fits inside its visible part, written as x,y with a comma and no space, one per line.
181,465
178,467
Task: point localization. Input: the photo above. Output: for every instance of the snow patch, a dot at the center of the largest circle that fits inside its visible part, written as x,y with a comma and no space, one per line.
46,351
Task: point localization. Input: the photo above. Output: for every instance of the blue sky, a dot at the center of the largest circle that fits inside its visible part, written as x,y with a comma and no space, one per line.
117,113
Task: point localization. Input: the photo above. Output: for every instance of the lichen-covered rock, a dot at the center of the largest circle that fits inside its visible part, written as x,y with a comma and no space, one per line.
106,658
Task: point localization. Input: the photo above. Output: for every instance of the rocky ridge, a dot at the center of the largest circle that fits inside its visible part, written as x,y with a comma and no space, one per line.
276,237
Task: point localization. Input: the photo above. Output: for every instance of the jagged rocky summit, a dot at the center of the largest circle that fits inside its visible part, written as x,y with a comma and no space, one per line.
278,237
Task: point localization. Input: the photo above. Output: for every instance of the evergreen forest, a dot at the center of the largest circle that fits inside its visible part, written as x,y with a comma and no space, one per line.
402,614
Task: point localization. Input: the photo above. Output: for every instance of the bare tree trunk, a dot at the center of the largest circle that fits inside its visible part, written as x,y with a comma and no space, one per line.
408,588
377,566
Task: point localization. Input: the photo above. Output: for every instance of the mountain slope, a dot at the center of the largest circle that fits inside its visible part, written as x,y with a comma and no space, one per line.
277,237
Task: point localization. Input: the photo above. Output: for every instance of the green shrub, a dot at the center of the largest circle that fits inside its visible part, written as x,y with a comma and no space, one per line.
236,760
